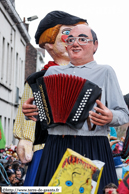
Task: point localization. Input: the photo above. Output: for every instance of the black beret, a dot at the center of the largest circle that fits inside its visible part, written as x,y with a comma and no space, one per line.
53,18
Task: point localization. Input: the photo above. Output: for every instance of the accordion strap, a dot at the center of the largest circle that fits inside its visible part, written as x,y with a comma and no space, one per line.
89,125
89,122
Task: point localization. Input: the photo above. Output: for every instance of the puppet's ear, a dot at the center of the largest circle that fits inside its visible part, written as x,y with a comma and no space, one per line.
95,46
48,46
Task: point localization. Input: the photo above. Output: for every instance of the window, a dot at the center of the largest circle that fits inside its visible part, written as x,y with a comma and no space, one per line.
22,75
10,66
17,69
14,140
19,81
3,53
7,63
4,127
8,131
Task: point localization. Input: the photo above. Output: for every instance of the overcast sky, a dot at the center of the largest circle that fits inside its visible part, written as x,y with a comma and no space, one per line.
108,18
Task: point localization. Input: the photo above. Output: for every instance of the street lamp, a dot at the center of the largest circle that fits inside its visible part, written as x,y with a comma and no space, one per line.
32,18
28,19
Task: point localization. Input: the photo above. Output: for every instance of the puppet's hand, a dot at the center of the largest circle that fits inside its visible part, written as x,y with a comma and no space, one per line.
102,116
29,109
24,150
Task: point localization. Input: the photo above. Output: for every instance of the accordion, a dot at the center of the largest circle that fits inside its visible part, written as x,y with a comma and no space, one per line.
64,99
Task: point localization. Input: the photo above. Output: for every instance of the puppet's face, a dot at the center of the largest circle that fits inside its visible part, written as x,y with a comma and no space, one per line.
81,54
74,179
59,47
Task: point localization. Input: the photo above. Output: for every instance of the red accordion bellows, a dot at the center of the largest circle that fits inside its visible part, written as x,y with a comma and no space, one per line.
62,91
64,99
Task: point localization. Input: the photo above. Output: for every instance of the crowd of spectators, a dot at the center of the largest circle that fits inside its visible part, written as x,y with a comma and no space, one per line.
12,172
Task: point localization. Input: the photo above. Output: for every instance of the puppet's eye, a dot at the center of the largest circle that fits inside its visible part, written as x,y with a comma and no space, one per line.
66,32
69,183
81,190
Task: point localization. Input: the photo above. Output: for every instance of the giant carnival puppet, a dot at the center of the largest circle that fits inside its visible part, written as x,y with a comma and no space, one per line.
74,130
50,35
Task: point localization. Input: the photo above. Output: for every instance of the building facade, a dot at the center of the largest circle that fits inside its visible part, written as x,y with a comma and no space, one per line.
13,40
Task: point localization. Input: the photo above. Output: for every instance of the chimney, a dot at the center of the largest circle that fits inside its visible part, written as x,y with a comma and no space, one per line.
26,25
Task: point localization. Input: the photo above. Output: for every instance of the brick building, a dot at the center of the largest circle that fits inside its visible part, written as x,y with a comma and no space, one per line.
34,59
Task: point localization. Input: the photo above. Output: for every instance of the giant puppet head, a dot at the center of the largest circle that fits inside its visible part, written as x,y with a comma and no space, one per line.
52,31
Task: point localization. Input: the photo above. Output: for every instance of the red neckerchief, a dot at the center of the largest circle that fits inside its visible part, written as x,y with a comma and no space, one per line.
110,192
50,63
